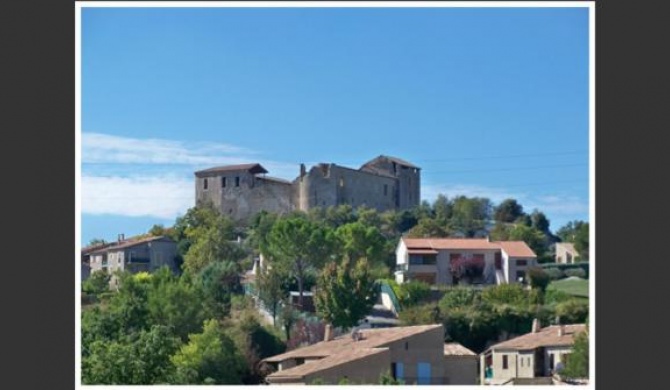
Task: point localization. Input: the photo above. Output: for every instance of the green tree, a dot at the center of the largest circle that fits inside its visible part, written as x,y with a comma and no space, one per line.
157,230
538,278
211,245
443,209
428,227
269,286
539,221
534,238
576,232
142,358
459,297
358,241
175,302
509,210
298,245
96,241
220,281
97,283
470,214
345,293
209,357
510,294
577,365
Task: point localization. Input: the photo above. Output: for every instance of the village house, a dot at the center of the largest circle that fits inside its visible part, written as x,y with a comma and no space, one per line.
135,255
451,261
534,355
414,354
566,253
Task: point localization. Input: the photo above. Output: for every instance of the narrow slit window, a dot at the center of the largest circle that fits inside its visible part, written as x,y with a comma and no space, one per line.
223,182
204,184
237,181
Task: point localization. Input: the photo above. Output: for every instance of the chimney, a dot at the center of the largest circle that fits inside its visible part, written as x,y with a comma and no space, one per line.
302,170
329,333
536,325
121,237
561,330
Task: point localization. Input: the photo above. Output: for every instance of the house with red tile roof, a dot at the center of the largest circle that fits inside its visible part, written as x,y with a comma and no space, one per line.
534,355
414,354
452,261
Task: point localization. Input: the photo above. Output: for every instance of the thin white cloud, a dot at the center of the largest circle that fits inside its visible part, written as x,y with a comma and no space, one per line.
165,196
105,148
560,205
98,148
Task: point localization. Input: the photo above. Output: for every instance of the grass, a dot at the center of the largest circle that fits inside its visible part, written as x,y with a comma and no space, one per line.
578,287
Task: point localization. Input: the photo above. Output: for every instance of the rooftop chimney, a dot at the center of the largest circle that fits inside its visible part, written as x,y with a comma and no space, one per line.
536,325
561,330
329,333
121,237
302,170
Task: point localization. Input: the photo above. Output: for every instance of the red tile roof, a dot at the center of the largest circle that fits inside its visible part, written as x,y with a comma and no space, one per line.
372,338
512,248
131,242
456,349
545,337
253,168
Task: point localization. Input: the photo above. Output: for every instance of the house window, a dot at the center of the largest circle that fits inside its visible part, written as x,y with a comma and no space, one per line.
521,263
204,184
299,361
398,370
223,182
505,362
551,361
237,181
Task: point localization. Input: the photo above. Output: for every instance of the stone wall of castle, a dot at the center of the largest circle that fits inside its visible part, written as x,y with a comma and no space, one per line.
382,184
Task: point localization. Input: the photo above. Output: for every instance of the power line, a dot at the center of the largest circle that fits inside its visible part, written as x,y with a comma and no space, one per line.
506,156
512,168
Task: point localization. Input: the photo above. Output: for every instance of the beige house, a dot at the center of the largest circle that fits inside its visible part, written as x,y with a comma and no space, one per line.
460,365
433,260
135,255
566,253
415,354
533,355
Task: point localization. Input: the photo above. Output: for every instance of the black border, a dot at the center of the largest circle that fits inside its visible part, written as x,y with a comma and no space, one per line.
39,164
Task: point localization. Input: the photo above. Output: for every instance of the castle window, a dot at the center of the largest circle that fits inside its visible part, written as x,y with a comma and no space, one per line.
341,182
386,189
223,182
204,184
237,181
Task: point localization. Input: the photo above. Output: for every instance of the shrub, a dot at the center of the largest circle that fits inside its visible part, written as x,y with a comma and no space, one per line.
554,273
578,272
511,294
573,311
456,297
413,292
537,278
419,315
556,296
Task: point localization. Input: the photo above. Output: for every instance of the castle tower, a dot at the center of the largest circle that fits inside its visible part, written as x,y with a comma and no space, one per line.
408,176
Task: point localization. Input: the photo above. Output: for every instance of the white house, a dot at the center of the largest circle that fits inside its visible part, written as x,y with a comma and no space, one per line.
450,261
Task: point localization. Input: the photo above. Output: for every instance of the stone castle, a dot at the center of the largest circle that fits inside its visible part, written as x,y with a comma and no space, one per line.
241,191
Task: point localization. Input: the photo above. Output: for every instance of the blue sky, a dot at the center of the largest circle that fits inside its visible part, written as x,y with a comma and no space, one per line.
488,101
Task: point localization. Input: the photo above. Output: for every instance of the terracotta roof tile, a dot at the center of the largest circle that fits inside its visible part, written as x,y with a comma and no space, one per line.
131,242
253,168
512,248
456,349
328,362
545,337
372,338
